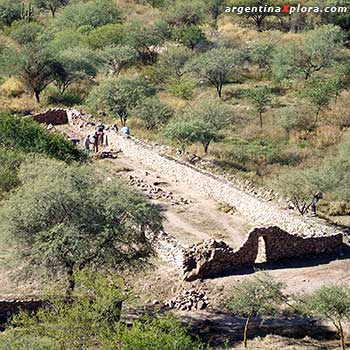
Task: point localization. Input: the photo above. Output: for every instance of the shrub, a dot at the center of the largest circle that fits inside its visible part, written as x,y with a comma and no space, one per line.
12,88
94,307
92,13
26,33
68,99
108,35
91,321
28,136
294,118
325,136
153,112
10,161
183,88
338,208
182,131
161,333
10,11
13,340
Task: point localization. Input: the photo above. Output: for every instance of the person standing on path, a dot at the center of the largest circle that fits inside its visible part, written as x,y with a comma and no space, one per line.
96,140
87,143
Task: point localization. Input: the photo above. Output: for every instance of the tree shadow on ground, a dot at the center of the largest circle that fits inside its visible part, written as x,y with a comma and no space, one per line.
219,328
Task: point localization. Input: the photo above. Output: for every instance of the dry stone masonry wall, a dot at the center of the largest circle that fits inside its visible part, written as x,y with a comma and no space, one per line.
10,307
212,258
281,232
260,213
52,116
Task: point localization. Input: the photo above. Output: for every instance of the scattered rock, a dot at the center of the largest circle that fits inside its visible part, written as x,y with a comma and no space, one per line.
155,192
191,299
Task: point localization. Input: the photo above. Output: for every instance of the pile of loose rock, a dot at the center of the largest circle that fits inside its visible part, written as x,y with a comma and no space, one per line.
79,119
188,300
155,192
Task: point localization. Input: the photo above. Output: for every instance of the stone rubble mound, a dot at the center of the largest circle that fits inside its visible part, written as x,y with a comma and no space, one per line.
188,300
80,120
155,192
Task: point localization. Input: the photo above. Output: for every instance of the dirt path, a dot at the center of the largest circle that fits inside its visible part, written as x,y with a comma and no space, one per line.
197,221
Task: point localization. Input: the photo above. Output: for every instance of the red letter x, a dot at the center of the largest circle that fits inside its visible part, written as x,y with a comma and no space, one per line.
285,8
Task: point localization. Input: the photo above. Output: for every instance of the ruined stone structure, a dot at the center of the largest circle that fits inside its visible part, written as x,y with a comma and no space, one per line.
212,258
11,307
52,116
280,232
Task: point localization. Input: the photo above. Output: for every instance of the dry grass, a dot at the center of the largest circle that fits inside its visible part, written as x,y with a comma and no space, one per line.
274,342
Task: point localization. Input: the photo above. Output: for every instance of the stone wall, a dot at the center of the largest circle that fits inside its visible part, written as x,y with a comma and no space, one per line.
52,116
212,258
282,233
259,213
11,307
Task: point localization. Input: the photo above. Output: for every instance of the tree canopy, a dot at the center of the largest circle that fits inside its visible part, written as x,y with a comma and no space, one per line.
215,66
318,49
117,96
77,220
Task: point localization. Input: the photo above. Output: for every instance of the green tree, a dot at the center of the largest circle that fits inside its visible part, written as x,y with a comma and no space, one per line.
153,112
215,66
75,65
261,98
260,296
320,94
318,49
34,65
50,5
186,13
215,8
183,131
261,53
118,96
146,39
173,61
189,36
331,303
111,34
182,87
257,18
212,117
68,38
333,174
340,19
300,186
91,13
26,33
116,58
77,220
10,11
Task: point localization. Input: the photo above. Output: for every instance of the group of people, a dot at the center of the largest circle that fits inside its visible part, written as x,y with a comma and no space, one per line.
100,137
